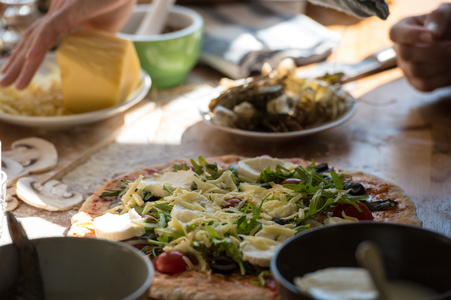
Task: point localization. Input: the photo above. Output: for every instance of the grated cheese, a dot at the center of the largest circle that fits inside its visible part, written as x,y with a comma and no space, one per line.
42,97
193,210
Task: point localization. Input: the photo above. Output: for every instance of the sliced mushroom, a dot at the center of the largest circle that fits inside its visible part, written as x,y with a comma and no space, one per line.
11,204
11,201
13,170
34,154
53,195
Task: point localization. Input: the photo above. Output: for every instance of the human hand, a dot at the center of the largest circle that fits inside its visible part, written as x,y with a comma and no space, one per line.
423,47
63,16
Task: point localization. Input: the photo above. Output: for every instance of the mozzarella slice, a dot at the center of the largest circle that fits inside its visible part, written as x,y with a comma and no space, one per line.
258,250
156,185
183,214
115,227
276,232
249,169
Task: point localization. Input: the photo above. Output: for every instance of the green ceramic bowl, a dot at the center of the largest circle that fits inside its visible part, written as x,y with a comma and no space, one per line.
167,57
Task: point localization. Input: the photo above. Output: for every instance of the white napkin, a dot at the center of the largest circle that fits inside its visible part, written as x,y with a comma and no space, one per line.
359,8
239,38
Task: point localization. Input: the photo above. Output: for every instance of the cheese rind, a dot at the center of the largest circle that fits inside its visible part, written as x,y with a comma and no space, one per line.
98,70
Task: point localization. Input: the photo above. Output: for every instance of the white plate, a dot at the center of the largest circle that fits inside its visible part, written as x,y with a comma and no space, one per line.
61,122
207,116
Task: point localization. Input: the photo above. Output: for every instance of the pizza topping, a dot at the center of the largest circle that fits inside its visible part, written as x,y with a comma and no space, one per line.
355,188
161,185
170,262
222,264
291,181
118,227
249,170
381,205
232,202
242,212
258,250
361,212
323,167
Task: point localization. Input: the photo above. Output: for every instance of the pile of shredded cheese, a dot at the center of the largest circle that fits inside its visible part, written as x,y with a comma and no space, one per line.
42,97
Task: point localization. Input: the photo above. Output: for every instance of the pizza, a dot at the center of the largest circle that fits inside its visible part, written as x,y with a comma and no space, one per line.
211,225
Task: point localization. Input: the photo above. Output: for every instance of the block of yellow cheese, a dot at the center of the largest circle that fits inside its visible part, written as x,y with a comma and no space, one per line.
98,70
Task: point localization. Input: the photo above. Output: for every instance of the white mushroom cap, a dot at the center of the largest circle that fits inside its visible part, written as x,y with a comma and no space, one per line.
53,195
34,154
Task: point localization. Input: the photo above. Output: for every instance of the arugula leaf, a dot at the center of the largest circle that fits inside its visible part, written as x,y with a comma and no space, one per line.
180,166
337,181
301,228
221,245
277,176
203,166
111,192
245,226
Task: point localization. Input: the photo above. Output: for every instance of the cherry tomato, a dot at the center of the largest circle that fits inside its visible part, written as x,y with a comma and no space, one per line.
232,202
291,181
351,211
270,283
170,262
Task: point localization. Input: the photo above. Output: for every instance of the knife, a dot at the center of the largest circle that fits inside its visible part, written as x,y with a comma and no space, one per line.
379,61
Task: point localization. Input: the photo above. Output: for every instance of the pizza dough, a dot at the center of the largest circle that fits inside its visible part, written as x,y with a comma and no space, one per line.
199,282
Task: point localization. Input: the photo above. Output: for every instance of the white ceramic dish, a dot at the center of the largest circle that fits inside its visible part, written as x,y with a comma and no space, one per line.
207,116
61,122
83,268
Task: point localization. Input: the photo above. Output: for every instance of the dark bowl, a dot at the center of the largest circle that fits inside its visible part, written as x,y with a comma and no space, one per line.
409,253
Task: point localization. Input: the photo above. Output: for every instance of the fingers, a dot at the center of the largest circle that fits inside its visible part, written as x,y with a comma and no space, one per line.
63,16
31,50
426,53
411,31
424,69
439,20
13,67
429,84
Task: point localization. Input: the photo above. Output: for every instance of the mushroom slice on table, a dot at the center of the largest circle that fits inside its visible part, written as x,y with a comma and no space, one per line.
34,154
11,203
52,196
13,170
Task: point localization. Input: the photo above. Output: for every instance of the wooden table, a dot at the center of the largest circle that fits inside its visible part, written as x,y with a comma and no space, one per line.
397,133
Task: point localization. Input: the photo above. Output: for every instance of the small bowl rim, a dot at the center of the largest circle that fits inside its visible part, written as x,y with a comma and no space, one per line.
195,26
143,288
292,287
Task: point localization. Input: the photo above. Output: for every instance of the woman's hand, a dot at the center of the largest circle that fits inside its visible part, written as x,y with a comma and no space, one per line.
63,16
423,47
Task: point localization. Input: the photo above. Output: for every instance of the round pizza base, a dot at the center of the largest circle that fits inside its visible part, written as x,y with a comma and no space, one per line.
195,285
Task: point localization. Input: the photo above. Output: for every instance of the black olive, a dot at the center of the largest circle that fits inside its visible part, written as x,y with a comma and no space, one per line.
355,188
381,205
279,221
222,264
321,168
